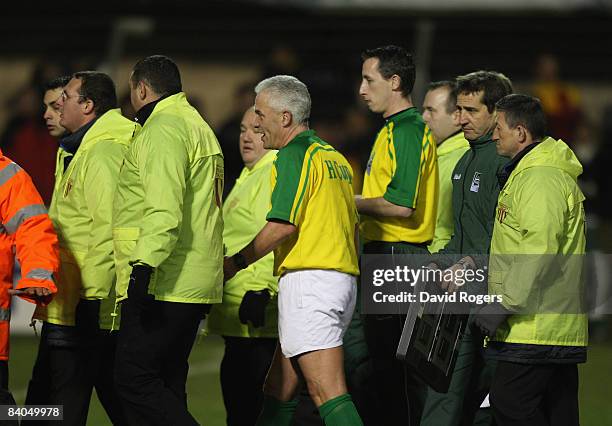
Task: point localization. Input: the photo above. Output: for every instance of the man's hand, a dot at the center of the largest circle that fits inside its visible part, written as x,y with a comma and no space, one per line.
41,295
448,278
138,288
381,207
490,317
253,307
36,292
229,269
271,236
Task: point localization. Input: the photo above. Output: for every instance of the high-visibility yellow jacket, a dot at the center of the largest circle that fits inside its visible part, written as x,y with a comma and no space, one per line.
244,214
25,231
449,153
537,249
81,210
167,210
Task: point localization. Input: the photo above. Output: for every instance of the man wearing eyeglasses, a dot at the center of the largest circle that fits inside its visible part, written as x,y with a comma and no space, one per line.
86,175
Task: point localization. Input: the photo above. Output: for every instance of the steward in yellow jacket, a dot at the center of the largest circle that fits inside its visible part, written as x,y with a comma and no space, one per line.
244,214
168,244
86,174
538,326
441,115
77,323
248,317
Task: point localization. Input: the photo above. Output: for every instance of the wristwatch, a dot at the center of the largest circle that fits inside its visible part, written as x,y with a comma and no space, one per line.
239,261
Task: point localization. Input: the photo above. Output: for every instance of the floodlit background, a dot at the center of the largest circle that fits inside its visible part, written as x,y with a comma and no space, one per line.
559,50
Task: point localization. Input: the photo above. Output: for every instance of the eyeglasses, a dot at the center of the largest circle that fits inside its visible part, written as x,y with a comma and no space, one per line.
65,96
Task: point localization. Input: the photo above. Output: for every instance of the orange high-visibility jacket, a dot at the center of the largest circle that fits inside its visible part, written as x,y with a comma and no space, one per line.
25,231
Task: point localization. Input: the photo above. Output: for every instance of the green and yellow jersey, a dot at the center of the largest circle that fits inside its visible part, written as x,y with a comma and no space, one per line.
312,189
403,170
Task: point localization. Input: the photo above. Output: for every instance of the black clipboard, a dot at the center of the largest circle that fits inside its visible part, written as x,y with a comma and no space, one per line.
431,337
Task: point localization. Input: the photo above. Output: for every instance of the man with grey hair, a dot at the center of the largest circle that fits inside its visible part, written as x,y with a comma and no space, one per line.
312,228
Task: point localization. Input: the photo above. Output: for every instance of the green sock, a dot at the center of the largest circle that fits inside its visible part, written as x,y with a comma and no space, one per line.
276,413
340,411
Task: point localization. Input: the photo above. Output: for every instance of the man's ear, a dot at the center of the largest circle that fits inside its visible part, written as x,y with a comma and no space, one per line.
455,117
286,119
142,90
522,133
88,106
396,82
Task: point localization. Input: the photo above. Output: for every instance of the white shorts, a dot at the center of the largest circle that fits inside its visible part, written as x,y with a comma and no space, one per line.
315,307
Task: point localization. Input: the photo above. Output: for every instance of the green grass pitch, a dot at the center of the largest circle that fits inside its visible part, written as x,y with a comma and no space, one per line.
204,390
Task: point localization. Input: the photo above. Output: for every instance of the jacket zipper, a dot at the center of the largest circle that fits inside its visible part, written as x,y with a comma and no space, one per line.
463,199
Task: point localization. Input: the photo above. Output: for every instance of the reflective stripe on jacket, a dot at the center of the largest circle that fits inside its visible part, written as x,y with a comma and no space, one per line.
27,232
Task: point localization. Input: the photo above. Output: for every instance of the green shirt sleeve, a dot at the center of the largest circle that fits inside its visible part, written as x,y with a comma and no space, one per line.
408,146
289,189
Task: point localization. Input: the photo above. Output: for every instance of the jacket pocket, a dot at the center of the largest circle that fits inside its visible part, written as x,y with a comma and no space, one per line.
496,280
124,242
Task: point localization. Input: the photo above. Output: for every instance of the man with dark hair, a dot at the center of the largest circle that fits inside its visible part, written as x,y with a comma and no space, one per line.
39,385
78,324
475,190
24,135
520,110
159,73
538,329
442,117
52,114
398,213
99,88
168,244
393,60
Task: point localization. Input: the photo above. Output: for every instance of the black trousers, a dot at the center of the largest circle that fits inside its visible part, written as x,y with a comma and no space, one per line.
4,375
67,369
535,394
243,371
152,360
244,367
400,394
6,398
